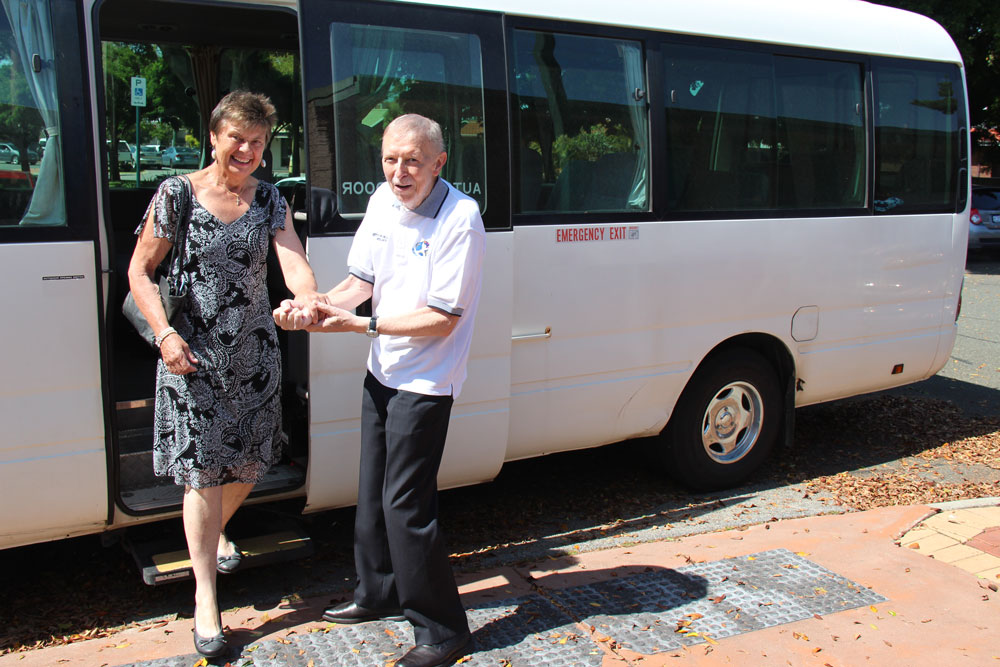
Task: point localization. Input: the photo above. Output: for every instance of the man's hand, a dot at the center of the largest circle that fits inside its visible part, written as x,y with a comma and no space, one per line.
334,319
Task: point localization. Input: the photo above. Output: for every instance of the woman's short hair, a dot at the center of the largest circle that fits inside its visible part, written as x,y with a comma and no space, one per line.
244,109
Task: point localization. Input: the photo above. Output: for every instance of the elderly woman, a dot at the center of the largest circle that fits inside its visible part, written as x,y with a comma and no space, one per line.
217,425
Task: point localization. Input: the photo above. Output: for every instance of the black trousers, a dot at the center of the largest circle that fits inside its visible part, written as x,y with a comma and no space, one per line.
399,551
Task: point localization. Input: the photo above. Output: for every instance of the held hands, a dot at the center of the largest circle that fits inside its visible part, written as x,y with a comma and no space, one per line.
332,319
316,315
297,313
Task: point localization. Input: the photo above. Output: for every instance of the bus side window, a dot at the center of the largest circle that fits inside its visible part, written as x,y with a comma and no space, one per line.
380,73
821,133
581,123
758,131
720,129
31,186
919,112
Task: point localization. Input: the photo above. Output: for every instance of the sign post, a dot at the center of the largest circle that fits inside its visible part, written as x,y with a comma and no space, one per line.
138,100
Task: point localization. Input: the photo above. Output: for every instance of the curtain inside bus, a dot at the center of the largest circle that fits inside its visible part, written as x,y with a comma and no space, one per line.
28,106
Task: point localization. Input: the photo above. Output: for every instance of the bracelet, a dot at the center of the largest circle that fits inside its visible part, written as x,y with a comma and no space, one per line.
163,335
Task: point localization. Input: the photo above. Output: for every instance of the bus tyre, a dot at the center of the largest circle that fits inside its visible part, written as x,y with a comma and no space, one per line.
725,423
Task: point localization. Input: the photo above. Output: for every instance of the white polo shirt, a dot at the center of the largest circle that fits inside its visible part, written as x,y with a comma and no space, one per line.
430,256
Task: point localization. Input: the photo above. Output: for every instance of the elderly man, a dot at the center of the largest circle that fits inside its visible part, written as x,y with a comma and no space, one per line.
418,254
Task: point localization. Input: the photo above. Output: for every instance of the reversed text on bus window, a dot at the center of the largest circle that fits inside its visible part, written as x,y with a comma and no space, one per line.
382,73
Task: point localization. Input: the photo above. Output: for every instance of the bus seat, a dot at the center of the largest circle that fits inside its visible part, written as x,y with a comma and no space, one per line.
613,176
572,186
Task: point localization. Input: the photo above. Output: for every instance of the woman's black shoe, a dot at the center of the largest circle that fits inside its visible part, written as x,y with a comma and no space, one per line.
229,564
210,647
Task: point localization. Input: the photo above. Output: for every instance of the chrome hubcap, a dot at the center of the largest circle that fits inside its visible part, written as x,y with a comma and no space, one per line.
732,422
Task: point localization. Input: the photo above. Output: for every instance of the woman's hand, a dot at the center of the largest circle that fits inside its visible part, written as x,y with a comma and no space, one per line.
293,314
177,355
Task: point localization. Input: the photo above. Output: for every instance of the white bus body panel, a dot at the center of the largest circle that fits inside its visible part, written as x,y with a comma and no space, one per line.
629,320
835,25
52,456
477,434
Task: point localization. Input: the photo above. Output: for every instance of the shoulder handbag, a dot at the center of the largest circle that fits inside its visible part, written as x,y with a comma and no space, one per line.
171,294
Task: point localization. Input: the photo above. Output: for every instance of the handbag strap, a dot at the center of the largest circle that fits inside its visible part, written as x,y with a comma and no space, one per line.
180,241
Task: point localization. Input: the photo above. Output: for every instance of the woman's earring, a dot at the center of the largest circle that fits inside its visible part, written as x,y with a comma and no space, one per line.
263,162
213,153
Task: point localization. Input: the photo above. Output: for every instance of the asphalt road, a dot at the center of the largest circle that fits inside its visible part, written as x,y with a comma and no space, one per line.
564,503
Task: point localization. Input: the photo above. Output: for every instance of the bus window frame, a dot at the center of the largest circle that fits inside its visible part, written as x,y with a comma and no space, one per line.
657,45
75,136
317,74
960,199
647,39
670,40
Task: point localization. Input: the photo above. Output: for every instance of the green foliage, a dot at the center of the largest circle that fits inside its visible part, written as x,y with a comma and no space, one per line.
975,27
591,145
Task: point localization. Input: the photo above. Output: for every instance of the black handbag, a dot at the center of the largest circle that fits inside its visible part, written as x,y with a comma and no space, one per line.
172,294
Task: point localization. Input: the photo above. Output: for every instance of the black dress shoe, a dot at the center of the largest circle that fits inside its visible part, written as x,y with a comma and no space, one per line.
437,655
350,612
210,647
229,564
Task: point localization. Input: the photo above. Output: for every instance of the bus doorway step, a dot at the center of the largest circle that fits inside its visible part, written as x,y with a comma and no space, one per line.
166,560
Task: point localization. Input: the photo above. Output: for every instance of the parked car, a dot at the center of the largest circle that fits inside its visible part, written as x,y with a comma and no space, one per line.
149,156
126,154
10,154
180,156
984,219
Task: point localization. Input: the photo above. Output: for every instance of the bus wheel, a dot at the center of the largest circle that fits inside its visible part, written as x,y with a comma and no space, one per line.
725,423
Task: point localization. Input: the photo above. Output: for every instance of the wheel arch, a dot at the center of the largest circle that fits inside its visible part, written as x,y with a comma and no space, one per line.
775,352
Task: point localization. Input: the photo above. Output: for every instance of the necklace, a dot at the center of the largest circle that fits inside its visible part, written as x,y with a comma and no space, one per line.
239,200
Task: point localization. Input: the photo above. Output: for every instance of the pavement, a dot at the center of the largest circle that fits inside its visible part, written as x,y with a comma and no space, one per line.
913,585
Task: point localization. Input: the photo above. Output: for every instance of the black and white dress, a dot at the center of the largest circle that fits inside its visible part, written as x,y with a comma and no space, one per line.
221,423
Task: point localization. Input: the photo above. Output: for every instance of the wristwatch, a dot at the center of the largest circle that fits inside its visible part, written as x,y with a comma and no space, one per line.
372,330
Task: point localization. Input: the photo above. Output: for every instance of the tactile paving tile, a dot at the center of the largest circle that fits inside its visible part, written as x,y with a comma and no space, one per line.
529,631
651,612
663,609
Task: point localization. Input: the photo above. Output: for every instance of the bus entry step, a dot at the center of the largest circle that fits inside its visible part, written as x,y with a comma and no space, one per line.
162,562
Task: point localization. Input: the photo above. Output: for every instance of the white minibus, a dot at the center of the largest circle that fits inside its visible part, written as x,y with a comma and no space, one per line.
700,216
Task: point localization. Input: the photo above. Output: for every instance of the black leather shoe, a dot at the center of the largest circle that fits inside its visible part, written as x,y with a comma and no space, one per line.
437,655
229,564
210,647
350,612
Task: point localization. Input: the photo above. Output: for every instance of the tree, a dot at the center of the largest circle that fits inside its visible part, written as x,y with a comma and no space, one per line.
166,99
975,27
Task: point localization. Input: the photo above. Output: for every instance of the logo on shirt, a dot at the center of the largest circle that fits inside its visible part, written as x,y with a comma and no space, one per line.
382,238
421,248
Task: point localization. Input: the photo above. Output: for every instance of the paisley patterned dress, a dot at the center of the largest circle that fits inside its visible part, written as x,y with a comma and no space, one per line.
221,423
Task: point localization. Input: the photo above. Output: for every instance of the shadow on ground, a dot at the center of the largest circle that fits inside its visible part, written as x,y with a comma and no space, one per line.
79,588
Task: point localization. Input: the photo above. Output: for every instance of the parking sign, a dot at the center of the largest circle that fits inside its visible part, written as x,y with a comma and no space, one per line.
138,91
